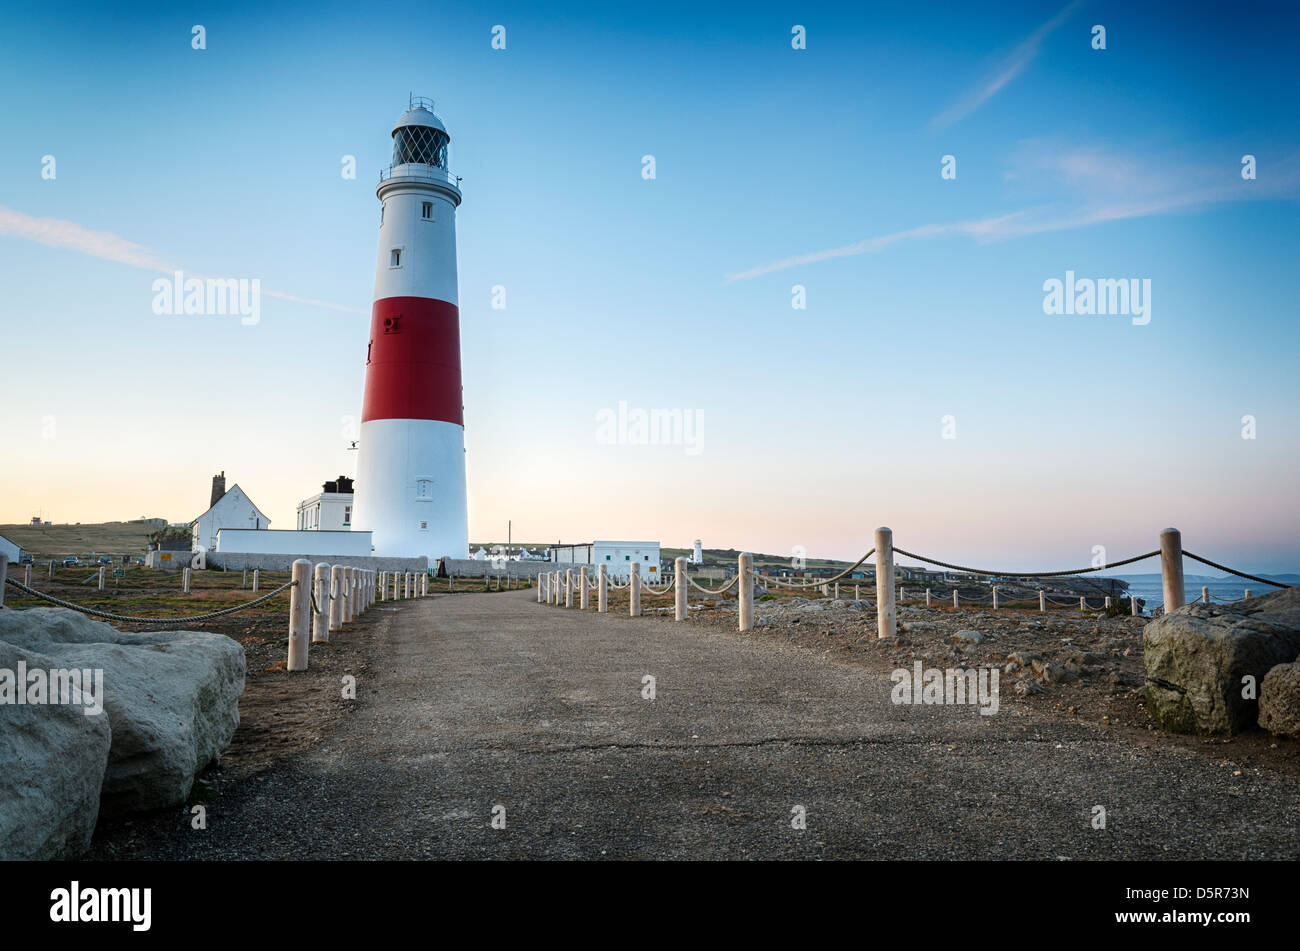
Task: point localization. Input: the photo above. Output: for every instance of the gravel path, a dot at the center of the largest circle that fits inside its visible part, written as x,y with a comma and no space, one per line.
481,700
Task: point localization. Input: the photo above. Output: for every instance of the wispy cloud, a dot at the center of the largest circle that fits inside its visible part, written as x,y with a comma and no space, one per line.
70,236
1101,194
1011,67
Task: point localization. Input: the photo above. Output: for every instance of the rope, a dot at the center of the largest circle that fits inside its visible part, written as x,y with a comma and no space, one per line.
650,592
193,618
820,581
726,587
1239,574
1046,574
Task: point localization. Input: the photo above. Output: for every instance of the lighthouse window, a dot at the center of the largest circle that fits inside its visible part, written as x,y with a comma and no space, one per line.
424,489
426,210
395,259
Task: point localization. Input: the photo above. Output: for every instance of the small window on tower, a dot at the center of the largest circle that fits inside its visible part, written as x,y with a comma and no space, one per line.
395,258
426,210
424,490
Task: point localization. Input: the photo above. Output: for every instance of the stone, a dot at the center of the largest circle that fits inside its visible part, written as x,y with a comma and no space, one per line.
1026,687
1195,659
1279,700
967,637
52,763
171,699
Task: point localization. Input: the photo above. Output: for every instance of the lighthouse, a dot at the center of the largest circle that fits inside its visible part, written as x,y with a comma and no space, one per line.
410,485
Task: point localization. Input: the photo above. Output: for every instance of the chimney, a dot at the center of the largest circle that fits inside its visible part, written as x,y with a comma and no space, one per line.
218,488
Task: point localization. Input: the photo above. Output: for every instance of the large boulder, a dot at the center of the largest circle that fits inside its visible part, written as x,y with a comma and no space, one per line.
1197,656
171,698
1279,700
52,762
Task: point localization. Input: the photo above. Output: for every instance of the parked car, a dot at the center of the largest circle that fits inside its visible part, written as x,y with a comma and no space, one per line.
71,561
105,559
26,559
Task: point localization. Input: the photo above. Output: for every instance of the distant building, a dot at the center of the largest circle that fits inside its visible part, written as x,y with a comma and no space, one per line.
617,557
329,510
233,509
698,556
36,520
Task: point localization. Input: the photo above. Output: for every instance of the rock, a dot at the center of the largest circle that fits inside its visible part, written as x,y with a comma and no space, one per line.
967,637
1011,667
1026,687
52,762
1279,700
1196,657
1022,659
171,698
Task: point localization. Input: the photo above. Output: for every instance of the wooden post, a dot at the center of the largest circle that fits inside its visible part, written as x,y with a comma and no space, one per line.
927,597
185,580
857,592
1246,593
320,616
102,572
634,591
902,594
584,598
956,603
1133,603
995,597
1083,604
1107,602
745,572
27,577
602,590
51,570
336,597
1042,600
1205,594
255,575
244,582
383,586
345,587
451,581
568,587
299,614
1171,568
543,588
886,616
679,594
837,590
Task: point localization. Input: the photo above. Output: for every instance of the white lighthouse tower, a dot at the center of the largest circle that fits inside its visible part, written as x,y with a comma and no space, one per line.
410,485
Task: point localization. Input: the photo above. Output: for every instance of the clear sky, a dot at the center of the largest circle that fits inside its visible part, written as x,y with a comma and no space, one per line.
774,167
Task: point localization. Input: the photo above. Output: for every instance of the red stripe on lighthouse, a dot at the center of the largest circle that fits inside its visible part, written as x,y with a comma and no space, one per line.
413,369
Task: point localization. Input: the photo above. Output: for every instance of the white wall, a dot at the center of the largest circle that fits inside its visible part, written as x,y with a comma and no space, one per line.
248,541
9,548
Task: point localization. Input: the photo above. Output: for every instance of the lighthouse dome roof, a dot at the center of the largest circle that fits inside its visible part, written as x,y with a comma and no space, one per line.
420,115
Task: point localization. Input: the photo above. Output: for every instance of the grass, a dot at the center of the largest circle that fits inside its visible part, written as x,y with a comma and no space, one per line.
103,538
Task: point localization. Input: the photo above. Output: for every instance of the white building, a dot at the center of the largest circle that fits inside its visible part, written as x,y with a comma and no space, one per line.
617,557
698,557
329,510
12,549
315,543
233,510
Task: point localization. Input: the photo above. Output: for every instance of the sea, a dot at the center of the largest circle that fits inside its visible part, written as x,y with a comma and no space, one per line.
1149,588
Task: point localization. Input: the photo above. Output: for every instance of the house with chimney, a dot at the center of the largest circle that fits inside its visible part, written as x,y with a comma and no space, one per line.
227,509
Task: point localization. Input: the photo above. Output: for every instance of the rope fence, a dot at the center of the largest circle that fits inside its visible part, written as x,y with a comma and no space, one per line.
322,599
555,588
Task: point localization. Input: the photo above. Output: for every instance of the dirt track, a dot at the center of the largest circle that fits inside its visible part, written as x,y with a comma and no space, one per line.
478,700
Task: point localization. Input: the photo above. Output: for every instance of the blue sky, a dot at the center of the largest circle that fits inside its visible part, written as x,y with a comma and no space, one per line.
775,167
